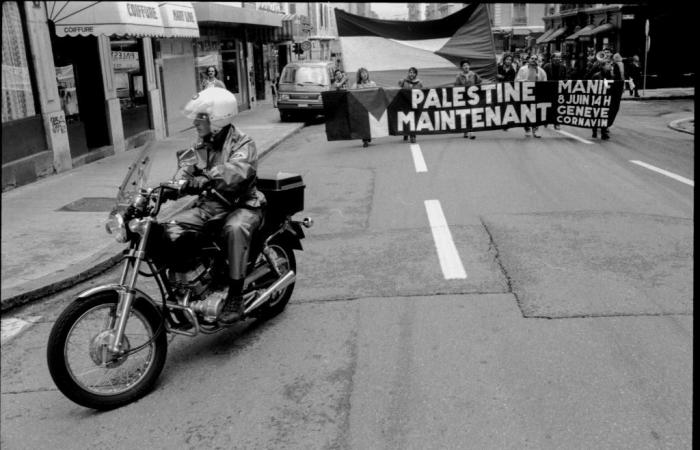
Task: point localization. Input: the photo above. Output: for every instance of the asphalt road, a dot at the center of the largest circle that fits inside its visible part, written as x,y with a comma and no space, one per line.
551,309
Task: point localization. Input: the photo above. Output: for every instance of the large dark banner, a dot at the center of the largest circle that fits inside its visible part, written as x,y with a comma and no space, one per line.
368,113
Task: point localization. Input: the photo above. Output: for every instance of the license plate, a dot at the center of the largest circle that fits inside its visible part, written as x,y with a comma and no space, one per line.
303,105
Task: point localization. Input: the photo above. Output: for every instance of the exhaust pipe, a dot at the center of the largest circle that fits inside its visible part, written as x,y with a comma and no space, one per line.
287,279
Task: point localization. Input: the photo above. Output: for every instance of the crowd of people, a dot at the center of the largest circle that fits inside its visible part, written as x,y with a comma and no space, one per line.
513,67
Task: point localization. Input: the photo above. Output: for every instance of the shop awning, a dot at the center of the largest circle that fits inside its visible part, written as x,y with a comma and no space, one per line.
527,30
583,30
220,12
544,36
554,36
179,19
599,29
78,18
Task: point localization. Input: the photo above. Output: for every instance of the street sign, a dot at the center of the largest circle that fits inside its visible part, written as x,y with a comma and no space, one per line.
646,28
648,42
306,46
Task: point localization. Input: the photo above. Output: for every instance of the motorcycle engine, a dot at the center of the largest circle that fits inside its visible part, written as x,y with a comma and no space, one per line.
197,279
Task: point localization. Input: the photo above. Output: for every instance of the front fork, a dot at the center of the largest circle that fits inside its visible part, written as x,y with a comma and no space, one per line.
126,298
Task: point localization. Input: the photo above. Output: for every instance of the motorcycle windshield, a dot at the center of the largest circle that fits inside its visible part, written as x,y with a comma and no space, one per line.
136,179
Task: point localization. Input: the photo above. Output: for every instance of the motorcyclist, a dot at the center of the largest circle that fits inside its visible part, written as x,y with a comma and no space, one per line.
226,162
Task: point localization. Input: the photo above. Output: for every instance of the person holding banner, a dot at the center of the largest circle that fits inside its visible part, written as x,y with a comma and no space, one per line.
531,72
604,72
362,81
556,71
467,78
411,82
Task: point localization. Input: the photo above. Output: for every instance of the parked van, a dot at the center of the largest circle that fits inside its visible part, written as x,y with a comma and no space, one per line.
300,87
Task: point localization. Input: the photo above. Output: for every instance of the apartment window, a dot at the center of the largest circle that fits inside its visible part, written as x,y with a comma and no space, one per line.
519,14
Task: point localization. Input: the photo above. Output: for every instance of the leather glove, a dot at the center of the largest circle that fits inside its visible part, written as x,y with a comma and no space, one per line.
195,185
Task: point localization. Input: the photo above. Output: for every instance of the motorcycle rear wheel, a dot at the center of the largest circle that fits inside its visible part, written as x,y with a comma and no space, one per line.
284,255
83,368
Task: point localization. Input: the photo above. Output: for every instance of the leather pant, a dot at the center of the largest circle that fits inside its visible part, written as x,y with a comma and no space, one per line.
185,228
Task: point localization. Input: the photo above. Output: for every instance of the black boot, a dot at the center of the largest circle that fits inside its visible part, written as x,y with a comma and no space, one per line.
232,310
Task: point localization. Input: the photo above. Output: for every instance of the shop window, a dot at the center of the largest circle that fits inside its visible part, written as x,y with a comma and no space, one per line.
17,94
130,83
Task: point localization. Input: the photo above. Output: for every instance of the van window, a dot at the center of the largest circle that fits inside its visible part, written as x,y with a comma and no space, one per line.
305,75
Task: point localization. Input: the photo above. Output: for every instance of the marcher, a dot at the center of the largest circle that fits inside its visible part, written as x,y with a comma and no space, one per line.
362,81
531,72
467,78
555,71
506,70
211,80
340,81
411,82
605,72
226,160
635,73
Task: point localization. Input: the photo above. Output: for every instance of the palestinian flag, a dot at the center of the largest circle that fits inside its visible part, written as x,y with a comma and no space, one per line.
387,48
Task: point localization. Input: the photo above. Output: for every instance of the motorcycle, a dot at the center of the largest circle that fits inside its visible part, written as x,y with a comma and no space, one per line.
108,347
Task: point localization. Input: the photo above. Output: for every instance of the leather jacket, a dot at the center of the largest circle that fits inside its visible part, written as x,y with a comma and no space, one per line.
229,158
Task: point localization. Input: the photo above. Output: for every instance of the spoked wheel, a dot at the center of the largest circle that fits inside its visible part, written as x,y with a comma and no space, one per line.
284,256
83,367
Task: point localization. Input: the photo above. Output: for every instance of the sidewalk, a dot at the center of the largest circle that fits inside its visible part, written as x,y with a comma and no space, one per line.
45,250
661,94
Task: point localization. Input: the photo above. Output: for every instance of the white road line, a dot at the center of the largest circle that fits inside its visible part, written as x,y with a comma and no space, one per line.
13,326
573,136
665,172
450,262
418,158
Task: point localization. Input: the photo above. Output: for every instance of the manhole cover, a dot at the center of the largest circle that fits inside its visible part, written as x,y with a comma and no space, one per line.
90,204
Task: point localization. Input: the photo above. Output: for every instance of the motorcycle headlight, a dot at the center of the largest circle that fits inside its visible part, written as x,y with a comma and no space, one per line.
115,225
138,226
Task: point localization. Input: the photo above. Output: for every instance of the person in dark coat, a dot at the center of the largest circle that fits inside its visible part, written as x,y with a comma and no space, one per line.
604,72
411,82
506,70
634,71
556,70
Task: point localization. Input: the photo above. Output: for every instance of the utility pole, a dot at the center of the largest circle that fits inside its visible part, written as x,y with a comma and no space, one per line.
647,44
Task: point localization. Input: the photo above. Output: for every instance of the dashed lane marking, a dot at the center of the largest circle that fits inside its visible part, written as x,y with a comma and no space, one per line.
573,136
665,172
450,262
418,158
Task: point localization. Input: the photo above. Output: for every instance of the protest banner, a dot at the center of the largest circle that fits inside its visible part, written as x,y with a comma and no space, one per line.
370,113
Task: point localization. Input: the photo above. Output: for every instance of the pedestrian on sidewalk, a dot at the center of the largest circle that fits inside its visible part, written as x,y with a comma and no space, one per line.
531,72
226,160
362,81
467,78
605,72
634,70
411,82
556,70
211,79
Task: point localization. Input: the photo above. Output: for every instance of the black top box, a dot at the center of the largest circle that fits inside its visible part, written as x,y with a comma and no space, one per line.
284,192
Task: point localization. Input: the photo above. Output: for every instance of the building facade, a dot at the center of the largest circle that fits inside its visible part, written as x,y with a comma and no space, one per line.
81,83
516,26
579,31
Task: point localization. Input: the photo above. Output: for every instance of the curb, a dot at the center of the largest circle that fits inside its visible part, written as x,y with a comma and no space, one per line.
675,125
96,264
660,97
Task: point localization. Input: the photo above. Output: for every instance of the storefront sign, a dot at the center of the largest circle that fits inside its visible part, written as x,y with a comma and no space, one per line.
183,16
141,11
125,60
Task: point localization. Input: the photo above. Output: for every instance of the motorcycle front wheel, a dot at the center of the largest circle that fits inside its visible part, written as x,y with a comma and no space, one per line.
81,364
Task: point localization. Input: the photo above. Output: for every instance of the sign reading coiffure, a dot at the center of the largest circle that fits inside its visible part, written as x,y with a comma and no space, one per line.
142,11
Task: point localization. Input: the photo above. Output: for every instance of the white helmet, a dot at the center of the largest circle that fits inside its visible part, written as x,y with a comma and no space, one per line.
219,105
